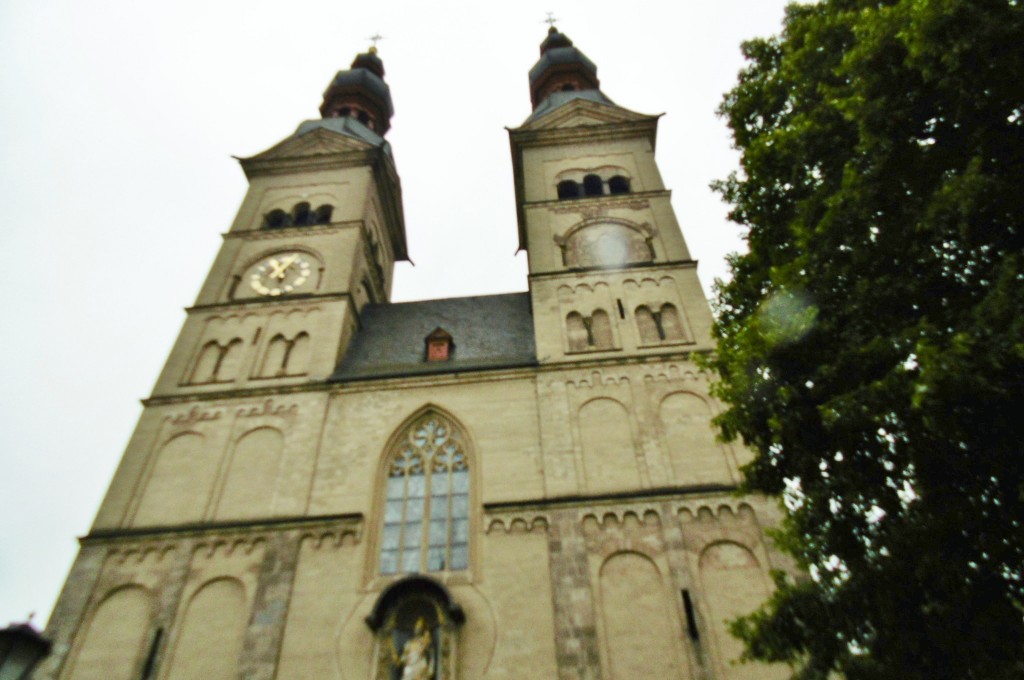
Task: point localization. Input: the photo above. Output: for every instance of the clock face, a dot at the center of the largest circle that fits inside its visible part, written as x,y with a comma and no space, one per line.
280,274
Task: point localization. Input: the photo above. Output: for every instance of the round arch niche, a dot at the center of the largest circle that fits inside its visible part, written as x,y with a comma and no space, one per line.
415,623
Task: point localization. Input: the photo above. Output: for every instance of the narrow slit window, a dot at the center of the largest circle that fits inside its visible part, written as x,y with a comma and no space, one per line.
691,617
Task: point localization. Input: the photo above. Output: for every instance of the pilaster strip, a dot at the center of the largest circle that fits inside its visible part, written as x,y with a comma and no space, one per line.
70,610
576,647
265,633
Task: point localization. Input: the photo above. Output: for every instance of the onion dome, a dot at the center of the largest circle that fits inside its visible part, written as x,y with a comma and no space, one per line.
361,93
561,68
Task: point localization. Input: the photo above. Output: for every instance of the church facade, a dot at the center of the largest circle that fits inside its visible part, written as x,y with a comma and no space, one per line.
325,484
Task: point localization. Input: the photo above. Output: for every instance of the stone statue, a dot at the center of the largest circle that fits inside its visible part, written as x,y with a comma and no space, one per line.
415,659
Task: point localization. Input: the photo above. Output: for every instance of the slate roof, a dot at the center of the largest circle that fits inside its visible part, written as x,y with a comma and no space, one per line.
558,99
489,332
346,126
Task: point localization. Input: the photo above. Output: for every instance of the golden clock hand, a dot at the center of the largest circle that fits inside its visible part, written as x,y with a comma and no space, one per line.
285,264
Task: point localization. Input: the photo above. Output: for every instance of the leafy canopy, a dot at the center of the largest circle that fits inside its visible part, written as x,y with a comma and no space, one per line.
871,342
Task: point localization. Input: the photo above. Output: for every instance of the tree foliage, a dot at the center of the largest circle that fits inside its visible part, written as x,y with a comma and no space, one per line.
871,342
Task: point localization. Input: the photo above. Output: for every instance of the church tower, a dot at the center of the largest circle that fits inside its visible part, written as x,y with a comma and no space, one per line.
325,484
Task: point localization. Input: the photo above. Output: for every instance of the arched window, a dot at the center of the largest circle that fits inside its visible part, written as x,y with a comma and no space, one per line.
568,189
323,214
302,216
568,87
426,505
601,329
671,325
286,357
647,326
592,185
577,332
230,362
363,117
344,112
217,363
659,326
618,185
206,365
276,219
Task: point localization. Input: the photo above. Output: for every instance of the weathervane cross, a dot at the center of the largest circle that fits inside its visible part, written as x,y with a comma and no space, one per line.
550,21
376,38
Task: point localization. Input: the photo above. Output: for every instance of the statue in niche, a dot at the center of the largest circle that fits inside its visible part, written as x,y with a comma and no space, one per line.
415,643
416,659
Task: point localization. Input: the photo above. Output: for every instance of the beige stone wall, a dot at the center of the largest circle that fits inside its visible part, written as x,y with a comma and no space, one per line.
184,458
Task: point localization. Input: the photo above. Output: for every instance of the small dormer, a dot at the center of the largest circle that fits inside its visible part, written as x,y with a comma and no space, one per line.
440,345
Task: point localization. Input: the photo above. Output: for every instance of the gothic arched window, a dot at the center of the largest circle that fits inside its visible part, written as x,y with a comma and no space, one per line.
426,504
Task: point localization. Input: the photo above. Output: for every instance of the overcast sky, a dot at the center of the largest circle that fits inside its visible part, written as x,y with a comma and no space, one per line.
118,120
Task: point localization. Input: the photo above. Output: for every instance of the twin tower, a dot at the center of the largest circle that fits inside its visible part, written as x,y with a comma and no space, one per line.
328,485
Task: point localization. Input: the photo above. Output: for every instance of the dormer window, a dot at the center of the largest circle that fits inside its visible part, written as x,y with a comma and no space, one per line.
440,345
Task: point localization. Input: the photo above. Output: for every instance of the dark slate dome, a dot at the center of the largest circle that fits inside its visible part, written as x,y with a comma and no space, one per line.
369,61
361,92
554,39
561,67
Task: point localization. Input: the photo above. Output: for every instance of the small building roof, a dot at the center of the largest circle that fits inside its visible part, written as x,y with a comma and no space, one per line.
489,332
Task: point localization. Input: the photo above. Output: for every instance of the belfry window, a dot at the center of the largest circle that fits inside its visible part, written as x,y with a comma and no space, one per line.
426,504
592,185
568,189
618,185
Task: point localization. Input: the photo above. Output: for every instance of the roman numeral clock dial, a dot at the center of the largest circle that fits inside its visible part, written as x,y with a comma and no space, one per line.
280,274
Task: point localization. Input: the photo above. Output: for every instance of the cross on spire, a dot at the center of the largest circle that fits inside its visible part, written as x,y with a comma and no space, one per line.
374,39
550,21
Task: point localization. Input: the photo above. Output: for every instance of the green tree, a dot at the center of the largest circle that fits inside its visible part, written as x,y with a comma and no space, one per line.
871,342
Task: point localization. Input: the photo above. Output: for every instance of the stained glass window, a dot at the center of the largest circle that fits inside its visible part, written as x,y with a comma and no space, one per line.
426,505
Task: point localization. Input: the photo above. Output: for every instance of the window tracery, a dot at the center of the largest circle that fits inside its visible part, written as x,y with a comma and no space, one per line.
426,505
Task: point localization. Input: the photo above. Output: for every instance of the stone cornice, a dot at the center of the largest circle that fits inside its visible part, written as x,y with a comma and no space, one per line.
292,232
574,500
674,353
258,303
353,520
588,204
575,273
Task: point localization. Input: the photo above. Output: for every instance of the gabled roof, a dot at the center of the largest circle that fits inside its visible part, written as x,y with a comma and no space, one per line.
578,108
322,138
489,332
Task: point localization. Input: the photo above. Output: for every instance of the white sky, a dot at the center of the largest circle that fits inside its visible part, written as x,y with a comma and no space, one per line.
118,119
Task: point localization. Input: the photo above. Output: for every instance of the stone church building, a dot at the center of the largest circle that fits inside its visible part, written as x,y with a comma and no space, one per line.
327,485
